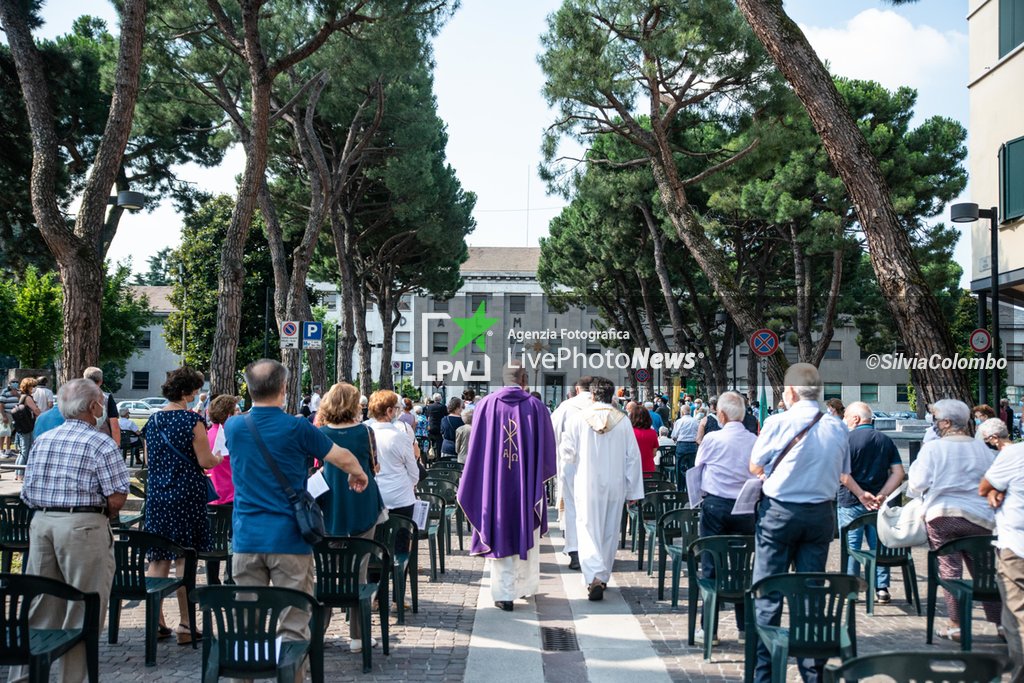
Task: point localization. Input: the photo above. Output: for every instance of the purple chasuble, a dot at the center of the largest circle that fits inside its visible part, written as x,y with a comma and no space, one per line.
511,454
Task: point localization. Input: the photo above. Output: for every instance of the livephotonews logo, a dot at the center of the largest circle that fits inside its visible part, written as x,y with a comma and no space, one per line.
474,330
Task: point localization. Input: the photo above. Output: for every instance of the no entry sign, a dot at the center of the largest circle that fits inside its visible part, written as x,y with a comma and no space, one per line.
764,342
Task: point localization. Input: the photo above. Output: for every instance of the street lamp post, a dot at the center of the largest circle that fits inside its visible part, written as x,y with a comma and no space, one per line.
969,212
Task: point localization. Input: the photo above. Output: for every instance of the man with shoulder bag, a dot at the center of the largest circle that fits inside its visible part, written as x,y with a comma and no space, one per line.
801,454
274,520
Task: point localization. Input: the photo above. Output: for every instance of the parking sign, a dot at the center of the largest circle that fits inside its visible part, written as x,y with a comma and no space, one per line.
312,335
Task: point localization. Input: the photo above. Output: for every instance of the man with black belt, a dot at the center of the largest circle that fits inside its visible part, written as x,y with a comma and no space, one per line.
802,453
725,456
75,481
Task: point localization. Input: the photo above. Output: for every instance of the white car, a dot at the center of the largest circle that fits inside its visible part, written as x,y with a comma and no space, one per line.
155,401
137,409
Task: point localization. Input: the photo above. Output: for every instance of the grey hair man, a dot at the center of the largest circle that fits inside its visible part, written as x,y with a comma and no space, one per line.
75,481
267,546
876,470
802,455
724,456
108,424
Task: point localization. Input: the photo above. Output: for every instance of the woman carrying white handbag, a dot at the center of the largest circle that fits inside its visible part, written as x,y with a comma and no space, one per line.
945,477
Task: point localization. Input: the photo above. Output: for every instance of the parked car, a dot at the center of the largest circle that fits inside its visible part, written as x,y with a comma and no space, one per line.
137,409
155,401
905,415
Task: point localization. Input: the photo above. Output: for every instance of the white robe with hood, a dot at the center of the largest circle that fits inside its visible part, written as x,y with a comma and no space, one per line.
600,444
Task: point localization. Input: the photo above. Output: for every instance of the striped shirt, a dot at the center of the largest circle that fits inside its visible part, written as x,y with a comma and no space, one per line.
72,466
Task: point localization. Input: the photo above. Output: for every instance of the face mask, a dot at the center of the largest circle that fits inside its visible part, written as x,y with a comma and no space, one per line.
978,420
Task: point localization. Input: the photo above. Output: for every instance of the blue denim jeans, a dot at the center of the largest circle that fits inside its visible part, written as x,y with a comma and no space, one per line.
685,450
845,515
788,534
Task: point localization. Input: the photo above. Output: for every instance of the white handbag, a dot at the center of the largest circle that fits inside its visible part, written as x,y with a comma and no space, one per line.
901,527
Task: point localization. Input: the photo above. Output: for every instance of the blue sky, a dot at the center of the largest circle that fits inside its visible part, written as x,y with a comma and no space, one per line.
488,88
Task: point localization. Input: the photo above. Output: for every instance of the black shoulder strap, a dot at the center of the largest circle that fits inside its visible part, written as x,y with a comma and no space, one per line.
288,490
794,441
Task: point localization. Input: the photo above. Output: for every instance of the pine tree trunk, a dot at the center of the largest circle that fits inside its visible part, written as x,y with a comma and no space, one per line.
911,303
82,278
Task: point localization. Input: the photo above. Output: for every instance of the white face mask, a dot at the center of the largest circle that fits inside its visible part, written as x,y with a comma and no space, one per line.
100,419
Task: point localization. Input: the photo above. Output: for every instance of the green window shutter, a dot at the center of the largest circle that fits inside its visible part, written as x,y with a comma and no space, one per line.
1011,25
1011,179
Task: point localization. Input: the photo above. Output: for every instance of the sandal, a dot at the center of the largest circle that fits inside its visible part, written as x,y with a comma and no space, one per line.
164,632
950,633
185,636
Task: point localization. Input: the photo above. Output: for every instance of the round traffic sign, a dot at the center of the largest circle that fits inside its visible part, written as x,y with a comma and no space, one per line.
642,375
289,329
980,340
764,342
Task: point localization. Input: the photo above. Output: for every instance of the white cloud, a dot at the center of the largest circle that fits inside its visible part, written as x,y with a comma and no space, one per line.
884,46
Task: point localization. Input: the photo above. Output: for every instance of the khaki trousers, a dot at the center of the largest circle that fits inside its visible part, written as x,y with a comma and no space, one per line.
1011,587
78,549
282,571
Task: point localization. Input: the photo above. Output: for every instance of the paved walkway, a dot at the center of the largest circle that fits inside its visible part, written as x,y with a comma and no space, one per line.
459,635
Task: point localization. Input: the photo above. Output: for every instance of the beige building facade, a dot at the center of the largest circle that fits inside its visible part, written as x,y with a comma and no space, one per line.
996,161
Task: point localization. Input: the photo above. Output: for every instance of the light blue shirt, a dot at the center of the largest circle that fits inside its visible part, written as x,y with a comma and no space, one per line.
685,429
725,454
810,471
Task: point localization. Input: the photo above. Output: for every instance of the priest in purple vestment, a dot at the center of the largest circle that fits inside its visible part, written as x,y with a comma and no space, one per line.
511,454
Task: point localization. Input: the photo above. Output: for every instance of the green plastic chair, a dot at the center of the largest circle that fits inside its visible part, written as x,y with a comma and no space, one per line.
677,529
451,476
449,491
138,489
338,560
734,566
653,507
821,620
883,556
20,644
435,520
631,513
405,565
982,586
667,463
131,583
15,518
922,667
220,532
446,465
240,626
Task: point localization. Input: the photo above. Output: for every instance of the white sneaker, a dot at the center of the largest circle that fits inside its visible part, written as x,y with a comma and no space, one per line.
356,644
698,637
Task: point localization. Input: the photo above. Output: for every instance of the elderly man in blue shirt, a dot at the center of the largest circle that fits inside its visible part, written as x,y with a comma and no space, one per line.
795,521
725,456
684,433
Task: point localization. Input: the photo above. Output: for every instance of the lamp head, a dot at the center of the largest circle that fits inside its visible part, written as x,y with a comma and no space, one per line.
965,212
133,201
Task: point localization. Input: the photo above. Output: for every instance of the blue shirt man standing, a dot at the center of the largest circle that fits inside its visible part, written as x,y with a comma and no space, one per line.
875,471
268,548
794,520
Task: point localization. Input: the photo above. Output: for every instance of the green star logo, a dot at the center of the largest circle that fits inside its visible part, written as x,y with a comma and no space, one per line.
474,329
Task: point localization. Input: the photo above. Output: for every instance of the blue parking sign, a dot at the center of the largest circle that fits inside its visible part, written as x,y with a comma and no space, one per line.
312,335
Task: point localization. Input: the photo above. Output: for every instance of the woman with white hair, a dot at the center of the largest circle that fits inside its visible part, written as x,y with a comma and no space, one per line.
946,476
992,432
